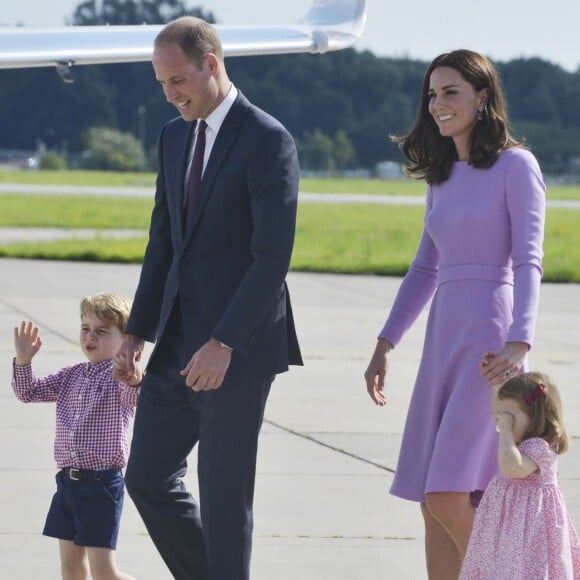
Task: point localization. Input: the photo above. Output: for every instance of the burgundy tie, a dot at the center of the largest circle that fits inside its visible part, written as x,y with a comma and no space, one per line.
195,173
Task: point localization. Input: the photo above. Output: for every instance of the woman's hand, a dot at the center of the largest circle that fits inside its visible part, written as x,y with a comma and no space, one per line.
497,368
377,371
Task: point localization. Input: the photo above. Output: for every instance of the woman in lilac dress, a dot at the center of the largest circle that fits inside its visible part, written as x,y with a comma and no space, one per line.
480,261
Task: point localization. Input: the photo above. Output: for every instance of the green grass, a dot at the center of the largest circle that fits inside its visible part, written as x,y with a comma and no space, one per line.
129,250
563,192
405,187
363,239
344,238
83,178
364,186
356,239
562,246
89,211
325,185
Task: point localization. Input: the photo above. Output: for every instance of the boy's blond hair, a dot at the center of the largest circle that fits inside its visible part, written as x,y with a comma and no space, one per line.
108,307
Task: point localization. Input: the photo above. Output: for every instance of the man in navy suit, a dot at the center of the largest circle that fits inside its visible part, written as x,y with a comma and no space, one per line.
212,296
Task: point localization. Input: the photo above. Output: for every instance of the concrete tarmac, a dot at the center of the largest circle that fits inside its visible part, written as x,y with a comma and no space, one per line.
327,454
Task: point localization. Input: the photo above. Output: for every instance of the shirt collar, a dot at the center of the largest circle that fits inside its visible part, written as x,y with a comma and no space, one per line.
216,118
97,368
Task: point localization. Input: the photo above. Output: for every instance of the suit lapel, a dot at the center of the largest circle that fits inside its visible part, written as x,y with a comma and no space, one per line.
225,140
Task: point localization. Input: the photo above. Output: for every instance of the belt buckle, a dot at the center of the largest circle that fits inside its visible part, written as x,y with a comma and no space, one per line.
74,474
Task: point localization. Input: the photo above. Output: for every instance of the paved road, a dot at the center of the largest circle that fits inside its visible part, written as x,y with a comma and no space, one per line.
326,454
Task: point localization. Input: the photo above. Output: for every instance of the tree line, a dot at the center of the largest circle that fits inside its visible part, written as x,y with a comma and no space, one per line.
341,107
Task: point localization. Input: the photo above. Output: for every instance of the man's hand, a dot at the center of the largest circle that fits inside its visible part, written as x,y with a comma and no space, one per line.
26,342
125,367
207,367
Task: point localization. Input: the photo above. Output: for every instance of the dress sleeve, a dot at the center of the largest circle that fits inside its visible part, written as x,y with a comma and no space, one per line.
526,202
539,451
417,286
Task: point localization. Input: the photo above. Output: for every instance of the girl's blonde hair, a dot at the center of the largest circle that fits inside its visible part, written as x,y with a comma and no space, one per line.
108,307
539,398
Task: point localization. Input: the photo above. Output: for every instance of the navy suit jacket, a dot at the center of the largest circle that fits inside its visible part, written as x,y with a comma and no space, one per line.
228,269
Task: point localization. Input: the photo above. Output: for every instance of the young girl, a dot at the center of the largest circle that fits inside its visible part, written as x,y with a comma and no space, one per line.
522,529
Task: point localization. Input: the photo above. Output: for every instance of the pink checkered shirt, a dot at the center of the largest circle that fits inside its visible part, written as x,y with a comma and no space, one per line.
93,412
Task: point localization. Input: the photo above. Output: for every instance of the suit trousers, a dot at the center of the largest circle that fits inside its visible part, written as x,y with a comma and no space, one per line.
212,540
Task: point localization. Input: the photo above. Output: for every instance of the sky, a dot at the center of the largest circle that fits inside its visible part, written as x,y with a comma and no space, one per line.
420,29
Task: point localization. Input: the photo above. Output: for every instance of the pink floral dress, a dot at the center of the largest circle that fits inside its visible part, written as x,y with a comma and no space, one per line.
522,530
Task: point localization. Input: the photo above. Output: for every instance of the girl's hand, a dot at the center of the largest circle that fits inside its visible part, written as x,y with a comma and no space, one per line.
26,342
377,371
504,422
497,368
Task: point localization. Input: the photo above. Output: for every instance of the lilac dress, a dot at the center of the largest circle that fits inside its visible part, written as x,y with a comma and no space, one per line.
522,530
480,259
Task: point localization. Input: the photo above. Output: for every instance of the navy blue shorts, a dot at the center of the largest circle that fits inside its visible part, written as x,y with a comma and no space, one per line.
87,513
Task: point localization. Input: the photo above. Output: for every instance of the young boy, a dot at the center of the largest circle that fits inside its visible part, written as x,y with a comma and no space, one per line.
93,413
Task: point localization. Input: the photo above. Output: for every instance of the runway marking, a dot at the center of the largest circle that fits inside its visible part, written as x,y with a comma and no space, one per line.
328,446
37,322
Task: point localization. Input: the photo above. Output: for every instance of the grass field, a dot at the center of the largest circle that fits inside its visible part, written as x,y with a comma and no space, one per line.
326,185
345,238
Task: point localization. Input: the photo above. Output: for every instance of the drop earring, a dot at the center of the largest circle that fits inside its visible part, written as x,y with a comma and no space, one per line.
480,112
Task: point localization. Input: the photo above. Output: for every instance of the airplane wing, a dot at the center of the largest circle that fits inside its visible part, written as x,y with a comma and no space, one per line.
328,25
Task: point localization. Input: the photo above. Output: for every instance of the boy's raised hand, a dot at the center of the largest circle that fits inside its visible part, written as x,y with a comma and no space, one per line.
26,342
